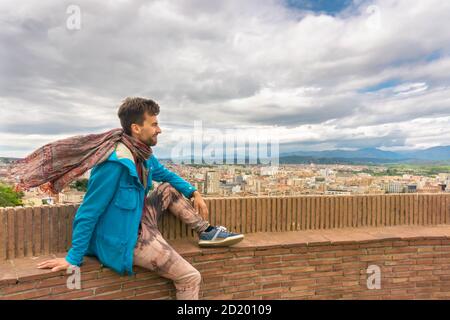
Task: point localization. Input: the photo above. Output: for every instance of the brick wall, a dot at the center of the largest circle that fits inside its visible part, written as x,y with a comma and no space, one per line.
308,247
33,231
414,263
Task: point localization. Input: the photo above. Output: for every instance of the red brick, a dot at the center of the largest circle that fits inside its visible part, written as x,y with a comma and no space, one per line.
74,294
213,257
269,291
159,288
242,295
52,282
244,260
105,289
272,252
151,296
244,254
32,294
211,264
247,287
239,268
297,294
271,259
298,270
113,295
99,282
15,288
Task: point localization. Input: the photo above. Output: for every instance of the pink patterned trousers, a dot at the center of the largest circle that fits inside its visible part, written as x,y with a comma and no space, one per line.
153,252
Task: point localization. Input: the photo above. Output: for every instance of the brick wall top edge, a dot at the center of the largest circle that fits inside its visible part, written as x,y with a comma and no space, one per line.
24,269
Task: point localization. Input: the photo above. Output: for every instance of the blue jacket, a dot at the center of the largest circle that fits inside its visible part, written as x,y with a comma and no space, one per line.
107,222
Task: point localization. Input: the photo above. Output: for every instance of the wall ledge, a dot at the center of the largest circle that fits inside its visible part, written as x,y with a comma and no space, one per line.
267,240
17,275
24,269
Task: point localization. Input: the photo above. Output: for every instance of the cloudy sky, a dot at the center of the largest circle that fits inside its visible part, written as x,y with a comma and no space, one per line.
325,74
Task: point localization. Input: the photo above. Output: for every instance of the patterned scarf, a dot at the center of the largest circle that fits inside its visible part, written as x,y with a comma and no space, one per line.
56,164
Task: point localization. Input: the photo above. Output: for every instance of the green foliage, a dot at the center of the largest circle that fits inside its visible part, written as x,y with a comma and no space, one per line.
414,169
9,197
81,185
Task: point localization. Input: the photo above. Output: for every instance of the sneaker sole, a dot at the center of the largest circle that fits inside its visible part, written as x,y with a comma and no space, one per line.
222,242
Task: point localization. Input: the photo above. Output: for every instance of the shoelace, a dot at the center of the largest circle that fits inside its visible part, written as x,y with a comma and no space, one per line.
219,229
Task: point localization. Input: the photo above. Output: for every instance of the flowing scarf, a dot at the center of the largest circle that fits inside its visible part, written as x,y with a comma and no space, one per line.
58,163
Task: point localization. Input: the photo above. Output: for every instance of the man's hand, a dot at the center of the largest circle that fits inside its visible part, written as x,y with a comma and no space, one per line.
200,205
56,264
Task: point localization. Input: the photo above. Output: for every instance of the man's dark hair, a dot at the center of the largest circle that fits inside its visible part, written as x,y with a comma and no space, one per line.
132,110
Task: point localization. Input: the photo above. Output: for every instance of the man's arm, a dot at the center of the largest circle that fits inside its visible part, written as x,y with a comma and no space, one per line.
162,174
101,188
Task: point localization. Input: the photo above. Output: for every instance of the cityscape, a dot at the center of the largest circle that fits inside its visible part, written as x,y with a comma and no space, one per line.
285,180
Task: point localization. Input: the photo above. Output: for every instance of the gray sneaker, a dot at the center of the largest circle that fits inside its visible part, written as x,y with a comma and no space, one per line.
218,237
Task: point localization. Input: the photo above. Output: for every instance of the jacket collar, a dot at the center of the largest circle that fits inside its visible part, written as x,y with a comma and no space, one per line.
123,155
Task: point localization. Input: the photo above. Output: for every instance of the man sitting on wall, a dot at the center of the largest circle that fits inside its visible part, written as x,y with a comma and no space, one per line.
117,221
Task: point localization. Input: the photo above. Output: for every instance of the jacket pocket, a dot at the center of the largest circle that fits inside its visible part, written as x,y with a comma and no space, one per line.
127,197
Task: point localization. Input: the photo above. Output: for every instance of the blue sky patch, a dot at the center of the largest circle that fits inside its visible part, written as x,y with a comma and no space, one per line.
380,86
326,6
436,55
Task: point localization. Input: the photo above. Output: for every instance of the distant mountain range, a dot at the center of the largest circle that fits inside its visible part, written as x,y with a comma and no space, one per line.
8,159
369,155
434,155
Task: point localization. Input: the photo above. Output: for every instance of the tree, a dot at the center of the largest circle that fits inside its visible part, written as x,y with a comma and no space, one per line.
81,185
9,197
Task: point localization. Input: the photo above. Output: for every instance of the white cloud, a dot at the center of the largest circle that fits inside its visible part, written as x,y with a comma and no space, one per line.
230,64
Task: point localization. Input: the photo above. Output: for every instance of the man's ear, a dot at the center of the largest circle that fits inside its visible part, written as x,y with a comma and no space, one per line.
135,128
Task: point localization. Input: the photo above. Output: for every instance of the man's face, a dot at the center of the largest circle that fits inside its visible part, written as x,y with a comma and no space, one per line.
148,132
